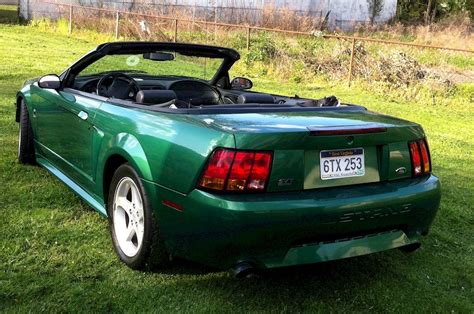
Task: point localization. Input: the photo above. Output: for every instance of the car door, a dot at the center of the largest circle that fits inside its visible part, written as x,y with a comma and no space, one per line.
64,121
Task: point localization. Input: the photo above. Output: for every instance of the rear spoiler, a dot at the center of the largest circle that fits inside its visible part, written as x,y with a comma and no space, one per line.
345,130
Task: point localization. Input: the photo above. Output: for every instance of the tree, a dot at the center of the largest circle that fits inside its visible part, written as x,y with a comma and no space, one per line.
426,10
430,11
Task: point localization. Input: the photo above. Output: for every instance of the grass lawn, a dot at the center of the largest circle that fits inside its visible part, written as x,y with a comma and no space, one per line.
56,253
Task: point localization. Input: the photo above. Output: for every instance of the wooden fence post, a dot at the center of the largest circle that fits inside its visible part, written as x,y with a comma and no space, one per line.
352,60
117,17
70,19
248,38
175,30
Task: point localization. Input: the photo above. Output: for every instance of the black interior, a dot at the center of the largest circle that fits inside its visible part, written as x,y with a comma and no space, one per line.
167,93
255,98
118,85
150,90
153,97
183,92
196,93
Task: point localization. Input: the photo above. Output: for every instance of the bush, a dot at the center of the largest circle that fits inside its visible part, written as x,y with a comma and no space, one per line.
263,48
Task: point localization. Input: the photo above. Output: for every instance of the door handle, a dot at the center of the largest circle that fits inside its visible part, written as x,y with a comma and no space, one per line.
83,115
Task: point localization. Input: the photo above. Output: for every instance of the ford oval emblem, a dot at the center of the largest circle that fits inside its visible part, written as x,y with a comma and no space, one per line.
401,170
350,140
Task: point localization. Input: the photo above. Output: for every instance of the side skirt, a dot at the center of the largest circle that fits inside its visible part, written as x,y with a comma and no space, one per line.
89,199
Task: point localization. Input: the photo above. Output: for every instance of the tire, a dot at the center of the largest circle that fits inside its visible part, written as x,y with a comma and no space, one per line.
26,147
132,222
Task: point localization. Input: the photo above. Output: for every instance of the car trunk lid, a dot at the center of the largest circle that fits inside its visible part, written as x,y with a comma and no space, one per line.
303,142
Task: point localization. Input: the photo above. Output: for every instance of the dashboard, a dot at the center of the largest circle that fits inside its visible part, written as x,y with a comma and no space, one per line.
189,90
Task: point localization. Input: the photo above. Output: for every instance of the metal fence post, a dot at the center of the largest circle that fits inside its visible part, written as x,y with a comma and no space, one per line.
194,16
117,18
215,23
352,60
70,19
175,30
248,38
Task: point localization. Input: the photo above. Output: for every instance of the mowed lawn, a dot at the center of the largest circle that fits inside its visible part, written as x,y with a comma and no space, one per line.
56,253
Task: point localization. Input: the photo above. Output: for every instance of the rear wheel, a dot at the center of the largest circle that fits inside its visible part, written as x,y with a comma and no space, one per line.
132,222
26,148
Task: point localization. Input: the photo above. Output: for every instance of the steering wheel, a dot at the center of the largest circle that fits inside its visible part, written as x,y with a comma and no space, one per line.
120,87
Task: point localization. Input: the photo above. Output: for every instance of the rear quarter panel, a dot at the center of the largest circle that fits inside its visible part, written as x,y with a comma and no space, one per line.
168,149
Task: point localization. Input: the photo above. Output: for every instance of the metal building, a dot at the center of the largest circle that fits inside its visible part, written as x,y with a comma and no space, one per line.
342,14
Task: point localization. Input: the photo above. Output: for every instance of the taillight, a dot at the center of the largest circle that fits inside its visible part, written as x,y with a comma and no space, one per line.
420,157
425,156
415,159
215,175
236,171
260,170
240,171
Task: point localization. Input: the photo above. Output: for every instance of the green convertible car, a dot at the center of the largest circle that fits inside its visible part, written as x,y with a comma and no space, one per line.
186,162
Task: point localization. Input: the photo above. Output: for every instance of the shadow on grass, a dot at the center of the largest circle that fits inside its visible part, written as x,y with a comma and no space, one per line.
294,287
349,267
8,16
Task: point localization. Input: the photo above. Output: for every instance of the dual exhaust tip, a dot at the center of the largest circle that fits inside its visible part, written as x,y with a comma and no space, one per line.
244,270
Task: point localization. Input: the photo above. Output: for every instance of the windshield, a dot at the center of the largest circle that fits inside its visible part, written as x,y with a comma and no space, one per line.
176,64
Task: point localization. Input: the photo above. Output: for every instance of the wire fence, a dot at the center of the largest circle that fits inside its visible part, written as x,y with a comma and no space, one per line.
172,24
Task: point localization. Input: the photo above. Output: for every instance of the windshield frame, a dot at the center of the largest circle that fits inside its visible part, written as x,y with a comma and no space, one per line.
230,56
185,66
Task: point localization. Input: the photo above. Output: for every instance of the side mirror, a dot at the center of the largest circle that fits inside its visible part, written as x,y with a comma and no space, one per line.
241,83
50,81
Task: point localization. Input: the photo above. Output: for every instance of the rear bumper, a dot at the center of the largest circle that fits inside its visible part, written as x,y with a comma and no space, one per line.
282,229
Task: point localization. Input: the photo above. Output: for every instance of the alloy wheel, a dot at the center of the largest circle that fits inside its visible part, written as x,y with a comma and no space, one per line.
128,218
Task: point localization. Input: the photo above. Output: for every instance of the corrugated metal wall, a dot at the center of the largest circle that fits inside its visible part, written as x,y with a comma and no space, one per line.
343,14
9,2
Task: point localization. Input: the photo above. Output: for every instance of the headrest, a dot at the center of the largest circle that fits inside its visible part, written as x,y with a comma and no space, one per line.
153,97
255,98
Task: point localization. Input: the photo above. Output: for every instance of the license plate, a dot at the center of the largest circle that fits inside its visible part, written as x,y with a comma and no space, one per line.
342,163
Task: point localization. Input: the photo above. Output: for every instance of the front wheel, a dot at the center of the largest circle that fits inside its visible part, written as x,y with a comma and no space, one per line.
132,222
26,148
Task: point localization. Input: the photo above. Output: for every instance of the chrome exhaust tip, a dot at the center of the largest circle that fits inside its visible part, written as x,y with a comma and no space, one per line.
244,270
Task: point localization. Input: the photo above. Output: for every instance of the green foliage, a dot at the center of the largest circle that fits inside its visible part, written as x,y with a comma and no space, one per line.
415,10
263,48
454,6
410,11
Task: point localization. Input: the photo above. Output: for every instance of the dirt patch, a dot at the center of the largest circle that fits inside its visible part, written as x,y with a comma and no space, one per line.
454,76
